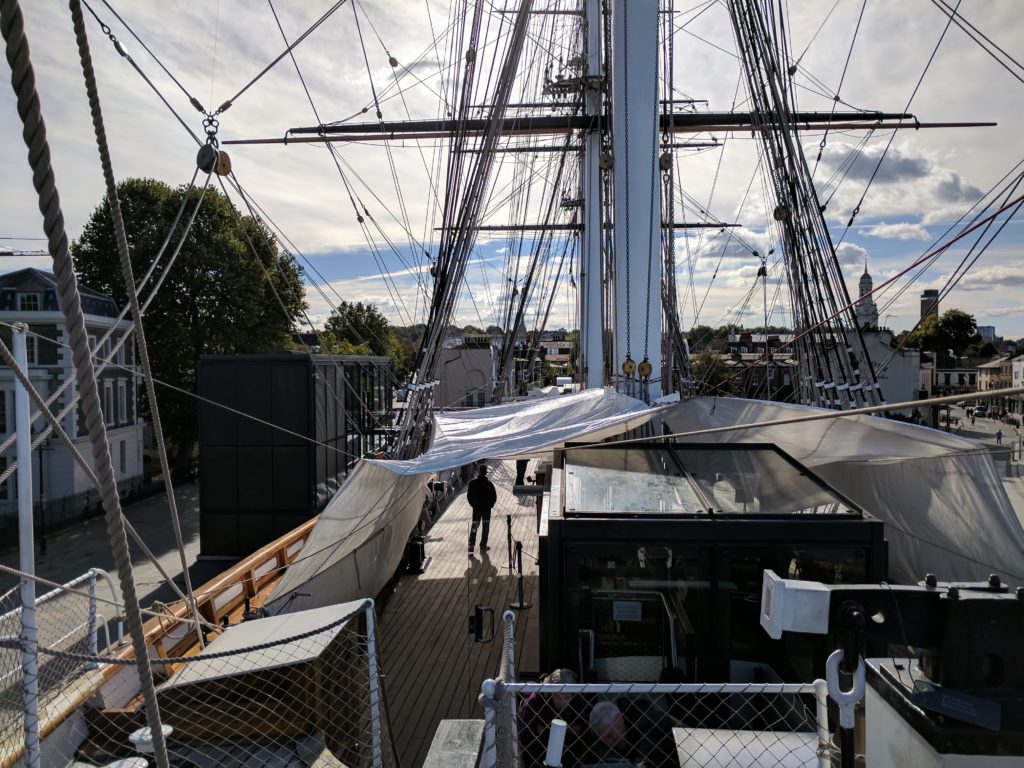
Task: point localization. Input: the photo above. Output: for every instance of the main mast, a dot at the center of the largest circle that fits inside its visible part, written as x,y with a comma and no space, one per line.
636,203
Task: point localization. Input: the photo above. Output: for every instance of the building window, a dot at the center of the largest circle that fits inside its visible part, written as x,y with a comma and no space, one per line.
3,485
92,342
30,349
122,402
123,460
28,302
108,403
120,353
3,411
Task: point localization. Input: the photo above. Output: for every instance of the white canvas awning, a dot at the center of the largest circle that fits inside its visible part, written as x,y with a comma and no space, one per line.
360,537
525,428
273,629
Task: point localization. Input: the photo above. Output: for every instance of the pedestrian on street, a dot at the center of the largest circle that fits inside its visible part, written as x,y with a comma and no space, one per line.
999,437
481,497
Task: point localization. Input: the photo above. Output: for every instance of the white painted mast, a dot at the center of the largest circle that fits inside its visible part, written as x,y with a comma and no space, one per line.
591,277
637,234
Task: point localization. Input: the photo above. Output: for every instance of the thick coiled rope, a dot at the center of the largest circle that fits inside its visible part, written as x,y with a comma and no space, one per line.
34,135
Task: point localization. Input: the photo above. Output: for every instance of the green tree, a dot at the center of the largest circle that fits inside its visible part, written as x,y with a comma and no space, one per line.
364,328
981,349
712,375
959,329
700,337
929,335
223,294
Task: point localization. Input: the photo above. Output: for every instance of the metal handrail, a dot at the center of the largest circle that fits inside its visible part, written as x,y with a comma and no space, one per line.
89,577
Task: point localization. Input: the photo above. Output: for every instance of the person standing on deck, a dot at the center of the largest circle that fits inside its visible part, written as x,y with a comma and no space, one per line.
481,497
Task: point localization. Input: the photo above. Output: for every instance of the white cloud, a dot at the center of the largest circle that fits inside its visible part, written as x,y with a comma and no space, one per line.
900,231
929,176
850,254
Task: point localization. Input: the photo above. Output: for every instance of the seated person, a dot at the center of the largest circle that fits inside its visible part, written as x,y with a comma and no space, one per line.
535,718
611,747
632,731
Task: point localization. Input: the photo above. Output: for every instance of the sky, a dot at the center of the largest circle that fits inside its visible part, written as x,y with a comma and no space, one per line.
929,179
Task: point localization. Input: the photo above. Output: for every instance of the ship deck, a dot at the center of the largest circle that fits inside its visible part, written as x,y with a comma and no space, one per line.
432,666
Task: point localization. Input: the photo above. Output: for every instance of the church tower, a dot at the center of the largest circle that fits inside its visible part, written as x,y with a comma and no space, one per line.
867,312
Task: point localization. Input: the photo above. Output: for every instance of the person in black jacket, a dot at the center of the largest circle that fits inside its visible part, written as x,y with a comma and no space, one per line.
481,497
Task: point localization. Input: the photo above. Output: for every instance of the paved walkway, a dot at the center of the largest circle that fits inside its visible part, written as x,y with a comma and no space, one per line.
72,551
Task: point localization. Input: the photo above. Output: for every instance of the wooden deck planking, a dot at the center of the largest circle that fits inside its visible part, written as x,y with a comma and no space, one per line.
433,669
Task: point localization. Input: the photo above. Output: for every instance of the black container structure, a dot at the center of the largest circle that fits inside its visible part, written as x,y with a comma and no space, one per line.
652,556
277,434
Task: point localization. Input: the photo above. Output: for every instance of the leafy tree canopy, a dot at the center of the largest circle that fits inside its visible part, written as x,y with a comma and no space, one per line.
362,329
955,330
712,375
960,329
981,349
701,336
230,290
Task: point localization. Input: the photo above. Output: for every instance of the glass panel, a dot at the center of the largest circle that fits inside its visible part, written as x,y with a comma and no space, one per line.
638,607
693,479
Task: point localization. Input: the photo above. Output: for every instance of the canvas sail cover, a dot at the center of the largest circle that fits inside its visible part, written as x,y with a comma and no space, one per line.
360,537
940,496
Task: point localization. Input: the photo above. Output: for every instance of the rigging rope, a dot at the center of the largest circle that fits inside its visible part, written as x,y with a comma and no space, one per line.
34,134
133,297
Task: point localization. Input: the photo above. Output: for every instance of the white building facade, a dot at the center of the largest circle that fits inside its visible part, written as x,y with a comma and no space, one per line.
61,490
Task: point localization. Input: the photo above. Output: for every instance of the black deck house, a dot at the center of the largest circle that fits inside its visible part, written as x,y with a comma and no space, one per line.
652,554
277,433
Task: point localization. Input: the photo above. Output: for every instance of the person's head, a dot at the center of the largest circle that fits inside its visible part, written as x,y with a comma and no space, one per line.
607,723
561,677
482,470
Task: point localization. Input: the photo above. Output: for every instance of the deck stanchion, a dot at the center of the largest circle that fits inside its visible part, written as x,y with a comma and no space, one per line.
93,643
508,534
520,603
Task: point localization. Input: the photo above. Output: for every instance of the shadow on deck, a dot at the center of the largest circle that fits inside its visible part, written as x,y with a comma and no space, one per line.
433,668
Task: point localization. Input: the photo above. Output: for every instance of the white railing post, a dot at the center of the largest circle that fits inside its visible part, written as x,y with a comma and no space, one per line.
93,646
489,753
506,741
821,708
26,544
371,653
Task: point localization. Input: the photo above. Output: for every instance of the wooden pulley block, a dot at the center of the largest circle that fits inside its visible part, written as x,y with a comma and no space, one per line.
628,366
604,162
223,167
645,368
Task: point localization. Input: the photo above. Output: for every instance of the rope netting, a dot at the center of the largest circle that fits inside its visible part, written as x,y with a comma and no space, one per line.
296,690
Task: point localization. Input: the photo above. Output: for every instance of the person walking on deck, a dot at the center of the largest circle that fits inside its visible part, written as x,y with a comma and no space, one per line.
481,497
999,437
